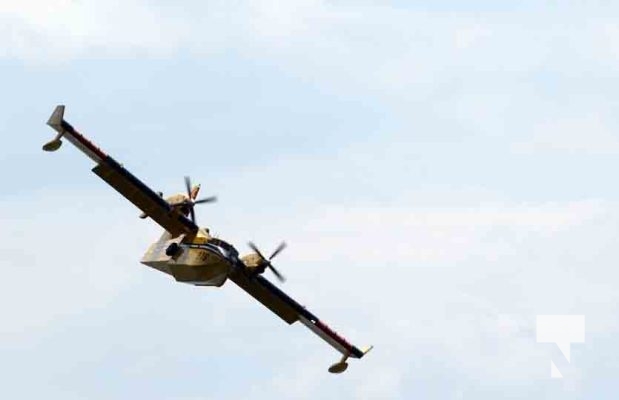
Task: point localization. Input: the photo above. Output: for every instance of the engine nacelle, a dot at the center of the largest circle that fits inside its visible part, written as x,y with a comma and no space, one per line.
254,263
178,200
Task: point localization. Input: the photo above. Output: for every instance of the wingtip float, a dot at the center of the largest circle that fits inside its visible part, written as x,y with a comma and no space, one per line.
189,253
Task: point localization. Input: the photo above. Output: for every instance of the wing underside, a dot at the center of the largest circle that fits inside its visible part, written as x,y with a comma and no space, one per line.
121,180
144,198
290,311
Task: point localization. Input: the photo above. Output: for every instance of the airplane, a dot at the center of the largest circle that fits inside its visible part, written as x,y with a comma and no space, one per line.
189,253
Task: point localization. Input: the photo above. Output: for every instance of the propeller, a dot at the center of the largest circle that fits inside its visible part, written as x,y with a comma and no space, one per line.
191,201
267,261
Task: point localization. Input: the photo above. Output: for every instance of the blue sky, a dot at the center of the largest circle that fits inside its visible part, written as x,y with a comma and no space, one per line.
442,173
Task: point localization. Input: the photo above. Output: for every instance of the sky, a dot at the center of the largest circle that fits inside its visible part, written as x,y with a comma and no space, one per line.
441,171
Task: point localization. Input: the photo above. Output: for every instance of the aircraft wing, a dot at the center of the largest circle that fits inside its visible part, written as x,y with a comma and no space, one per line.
120,179
290,311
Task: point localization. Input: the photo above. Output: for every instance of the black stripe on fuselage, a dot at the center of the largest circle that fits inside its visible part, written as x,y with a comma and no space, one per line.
207,247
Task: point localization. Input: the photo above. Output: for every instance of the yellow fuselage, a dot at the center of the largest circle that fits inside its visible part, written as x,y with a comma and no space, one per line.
199,260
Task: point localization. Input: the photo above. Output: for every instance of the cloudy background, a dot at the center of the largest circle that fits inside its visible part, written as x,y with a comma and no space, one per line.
442,173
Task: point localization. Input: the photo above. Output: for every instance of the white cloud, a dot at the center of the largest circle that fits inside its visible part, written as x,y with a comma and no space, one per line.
61,261
468,37
590,133
442,291
278,21
436,235
394,42
64,30
435,289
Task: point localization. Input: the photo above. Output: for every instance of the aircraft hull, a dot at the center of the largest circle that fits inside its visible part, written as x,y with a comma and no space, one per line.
202,265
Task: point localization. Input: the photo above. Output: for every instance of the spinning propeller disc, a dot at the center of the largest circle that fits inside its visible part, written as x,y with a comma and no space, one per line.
267,261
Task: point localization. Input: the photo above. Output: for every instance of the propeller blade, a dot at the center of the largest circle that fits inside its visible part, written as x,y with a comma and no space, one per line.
276,272
255,249
188,186
194,191
193,214
211,199
278,250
